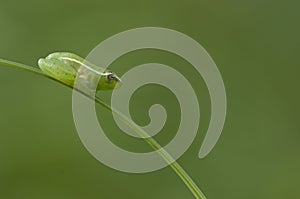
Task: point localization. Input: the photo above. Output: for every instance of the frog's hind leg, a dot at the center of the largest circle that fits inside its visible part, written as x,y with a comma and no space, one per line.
58,70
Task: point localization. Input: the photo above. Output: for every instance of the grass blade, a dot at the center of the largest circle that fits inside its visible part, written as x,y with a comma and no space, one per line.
188,181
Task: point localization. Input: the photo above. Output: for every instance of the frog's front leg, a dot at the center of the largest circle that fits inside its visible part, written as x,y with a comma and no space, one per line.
58,70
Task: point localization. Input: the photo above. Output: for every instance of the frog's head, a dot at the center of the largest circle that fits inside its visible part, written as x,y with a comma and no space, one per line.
109,81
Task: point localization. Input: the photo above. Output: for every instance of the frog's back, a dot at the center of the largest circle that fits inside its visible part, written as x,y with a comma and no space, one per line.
61,55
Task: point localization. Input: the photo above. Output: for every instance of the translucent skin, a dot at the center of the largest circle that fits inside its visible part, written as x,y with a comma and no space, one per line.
65,66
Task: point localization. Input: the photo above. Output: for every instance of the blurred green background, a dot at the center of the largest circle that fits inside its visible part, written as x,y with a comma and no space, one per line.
255,45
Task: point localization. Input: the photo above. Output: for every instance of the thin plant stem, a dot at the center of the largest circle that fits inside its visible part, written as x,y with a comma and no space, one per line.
188,181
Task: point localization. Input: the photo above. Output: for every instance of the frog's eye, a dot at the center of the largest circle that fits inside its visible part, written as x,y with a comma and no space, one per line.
110,77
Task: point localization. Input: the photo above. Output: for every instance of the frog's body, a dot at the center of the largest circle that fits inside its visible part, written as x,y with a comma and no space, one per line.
65,66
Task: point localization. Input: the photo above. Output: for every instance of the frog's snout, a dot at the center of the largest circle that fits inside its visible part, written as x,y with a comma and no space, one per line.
119,82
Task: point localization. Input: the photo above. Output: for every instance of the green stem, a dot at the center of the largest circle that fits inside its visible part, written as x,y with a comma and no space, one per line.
151,141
